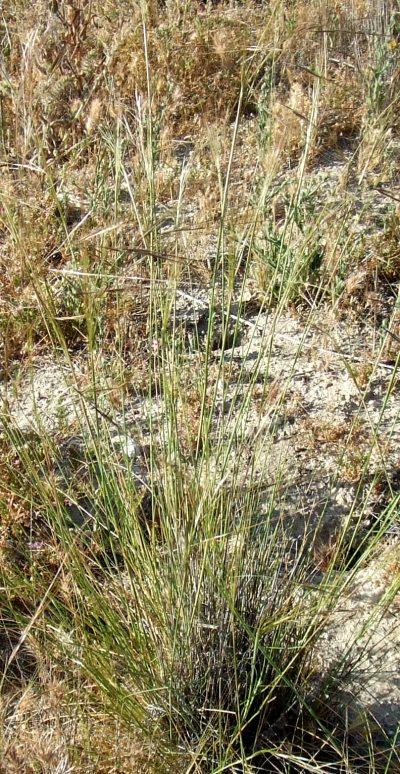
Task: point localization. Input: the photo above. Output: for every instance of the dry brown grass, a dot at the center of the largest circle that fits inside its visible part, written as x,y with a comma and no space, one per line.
47,729
73,75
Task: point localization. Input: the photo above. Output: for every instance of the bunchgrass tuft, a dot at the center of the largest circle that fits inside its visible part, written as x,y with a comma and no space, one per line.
198,213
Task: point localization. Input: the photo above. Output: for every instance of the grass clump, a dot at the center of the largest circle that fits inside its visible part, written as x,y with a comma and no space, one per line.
199,384
197,615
